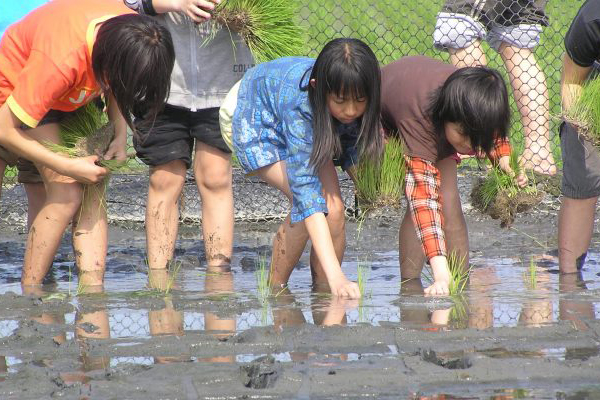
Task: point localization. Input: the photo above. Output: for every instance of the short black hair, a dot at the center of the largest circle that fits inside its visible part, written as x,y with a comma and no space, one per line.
348,67
132,58
476,99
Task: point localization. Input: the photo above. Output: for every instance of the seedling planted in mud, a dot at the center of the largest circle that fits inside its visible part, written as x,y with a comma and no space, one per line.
363,271
459,274
531,274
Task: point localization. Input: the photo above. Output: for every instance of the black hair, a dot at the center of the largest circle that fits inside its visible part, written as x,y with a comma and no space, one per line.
476,99
345,67
132,58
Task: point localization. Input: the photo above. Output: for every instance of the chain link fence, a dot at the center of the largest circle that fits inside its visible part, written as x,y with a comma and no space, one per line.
521,38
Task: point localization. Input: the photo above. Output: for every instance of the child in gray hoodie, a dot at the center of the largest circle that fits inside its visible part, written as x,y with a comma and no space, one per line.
189,123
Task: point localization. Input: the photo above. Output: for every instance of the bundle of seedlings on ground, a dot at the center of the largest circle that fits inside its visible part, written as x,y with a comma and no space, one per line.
268,27
380,184
499,195
584,114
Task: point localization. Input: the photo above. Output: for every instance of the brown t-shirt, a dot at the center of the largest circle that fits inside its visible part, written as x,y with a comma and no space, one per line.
406,89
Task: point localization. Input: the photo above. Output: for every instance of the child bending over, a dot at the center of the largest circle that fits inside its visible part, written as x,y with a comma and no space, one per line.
286,119
438,111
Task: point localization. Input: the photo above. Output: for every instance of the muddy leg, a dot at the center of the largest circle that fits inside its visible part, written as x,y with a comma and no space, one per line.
212,169
412,256
162,212
62,203
36,197
290,240
90,237
575,228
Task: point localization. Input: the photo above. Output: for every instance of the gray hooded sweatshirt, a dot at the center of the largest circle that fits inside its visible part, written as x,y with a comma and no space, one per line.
204,69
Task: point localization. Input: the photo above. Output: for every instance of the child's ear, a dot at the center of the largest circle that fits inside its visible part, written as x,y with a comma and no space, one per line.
313,83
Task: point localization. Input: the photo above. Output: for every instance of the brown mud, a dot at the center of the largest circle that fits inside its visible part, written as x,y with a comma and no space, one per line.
210,337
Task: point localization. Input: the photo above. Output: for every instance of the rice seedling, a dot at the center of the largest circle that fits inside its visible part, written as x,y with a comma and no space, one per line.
585,112
459,274
161,282
262,279
459,316
268,27
382,183
363,272
530,275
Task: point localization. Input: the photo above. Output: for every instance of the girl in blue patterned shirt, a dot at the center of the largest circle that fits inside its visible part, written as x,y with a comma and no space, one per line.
287,120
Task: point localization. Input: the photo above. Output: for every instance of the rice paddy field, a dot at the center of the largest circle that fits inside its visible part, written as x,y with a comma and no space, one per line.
517,330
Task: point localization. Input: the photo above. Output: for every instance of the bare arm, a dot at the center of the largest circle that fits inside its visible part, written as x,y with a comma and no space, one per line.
573,77
320,237
118,147
16,140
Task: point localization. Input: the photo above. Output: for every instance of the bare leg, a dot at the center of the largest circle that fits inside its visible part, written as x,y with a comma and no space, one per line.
531,95
575,228
212,169
470,56
36,197
290,240
162,212
90,236
412,256
62,203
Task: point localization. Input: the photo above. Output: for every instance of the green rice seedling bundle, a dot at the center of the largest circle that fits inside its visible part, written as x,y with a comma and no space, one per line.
585,112
459,274
86,132
499,195
268,27
382,183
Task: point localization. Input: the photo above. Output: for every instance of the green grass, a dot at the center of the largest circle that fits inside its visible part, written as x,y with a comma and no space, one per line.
382,183
268,27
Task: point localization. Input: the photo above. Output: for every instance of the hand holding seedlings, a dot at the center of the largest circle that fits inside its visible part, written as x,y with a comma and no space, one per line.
198,10
520,179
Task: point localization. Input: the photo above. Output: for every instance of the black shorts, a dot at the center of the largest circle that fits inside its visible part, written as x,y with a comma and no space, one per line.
171,136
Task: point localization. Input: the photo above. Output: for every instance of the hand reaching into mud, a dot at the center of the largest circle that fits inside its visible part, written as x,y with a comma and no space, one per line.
504,164
342,287
441,276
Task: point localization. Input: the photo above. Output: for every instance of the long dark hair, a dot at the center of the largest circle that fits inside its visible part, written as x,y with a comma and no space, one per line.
477,100
133,58
346,67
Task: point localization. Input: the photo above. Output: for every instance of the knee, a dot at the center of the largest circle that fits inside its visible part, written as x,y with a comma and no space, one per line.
214,180
167,182
336,216
68,195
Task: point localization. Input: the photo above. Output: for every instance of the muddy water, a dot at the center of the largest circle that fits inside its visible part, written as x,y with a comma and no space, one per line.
210,335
